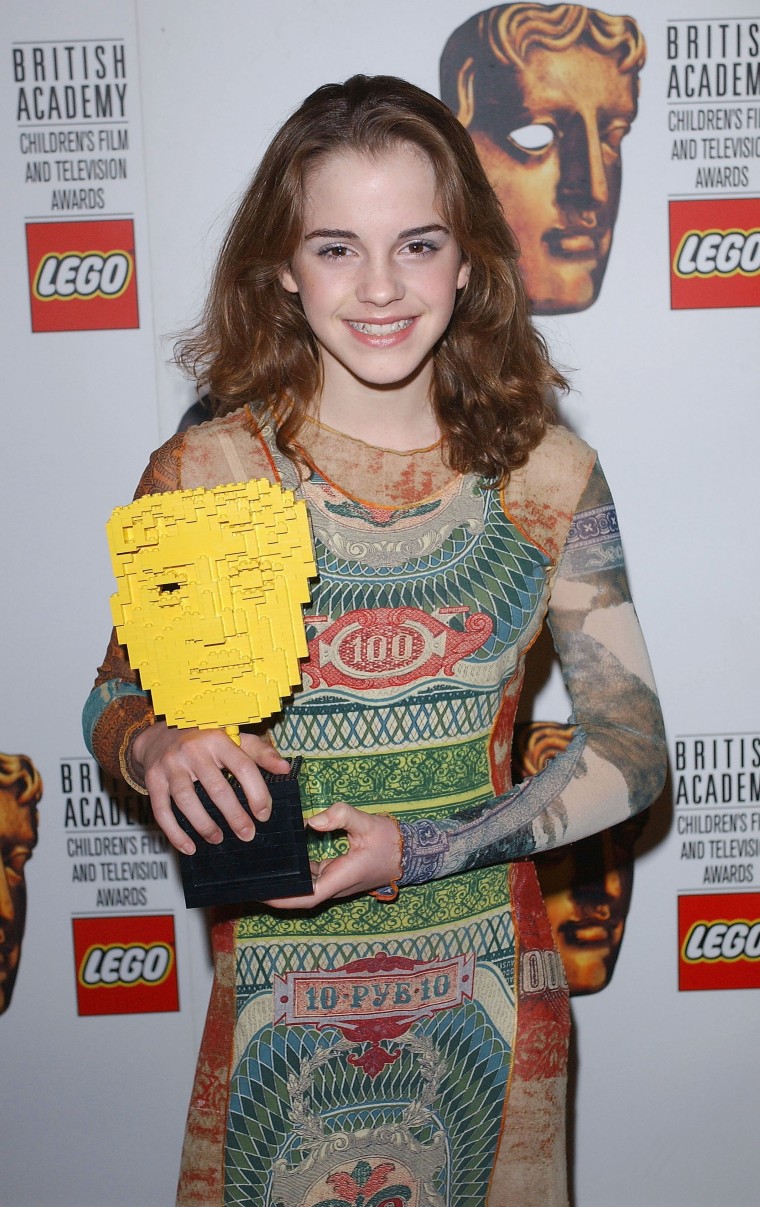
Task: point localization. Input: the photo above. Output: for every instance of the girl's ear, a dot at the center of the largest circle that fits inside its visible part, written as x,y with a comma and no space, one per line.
464,274
287,280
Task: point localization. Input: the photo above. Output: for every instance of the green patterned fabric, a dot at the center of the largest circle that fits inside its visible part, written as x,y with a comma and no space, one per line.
410,658
379,1055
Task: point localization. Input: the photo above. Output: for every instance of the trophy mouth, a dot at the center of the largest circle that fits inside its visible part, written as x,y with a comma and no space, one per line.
209,671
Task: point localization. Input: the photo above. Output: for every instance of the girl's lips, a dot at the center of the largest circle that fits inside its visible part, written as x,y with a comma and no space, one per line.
383,328
381,335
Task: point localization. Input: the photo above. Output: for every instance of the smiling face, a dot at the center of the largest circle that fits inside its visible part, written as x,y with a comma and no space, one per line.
18,836
377,270
211,584
548,136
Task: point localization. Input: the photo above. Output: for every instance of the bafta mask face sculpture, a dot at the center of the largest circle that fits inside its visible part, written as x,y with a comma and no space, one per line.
548,94
210,589
587,886
20,790
587,890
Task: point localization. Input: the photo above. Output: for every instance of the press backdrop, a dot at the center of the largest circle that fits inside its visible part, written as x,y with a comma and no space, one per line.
128,129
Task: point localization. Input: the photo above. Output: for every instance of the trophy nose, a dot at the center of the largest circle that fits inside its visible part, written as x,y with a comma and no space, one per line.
212,628
214,636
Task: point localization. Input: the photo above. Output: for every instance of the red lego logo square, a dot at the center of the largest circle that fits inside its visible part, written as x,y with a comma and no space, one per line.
719,941
82,275
715,253
125,965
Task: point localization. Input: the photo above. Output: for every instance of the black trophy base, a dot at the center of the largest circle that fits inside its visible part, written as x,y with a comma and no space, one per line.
275,863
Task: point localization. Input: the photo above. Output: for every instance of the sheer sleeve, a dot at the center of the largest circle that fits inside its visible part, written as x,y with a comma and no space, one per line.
117,708
615,764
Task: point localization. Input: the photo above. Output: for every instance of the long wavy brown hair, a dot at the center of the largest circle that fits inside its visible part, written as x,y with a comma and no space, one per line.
492,381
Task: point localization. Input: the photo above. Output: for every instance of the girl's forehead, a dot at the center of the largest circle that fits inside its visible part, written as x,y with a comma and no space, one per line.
401,157
401,174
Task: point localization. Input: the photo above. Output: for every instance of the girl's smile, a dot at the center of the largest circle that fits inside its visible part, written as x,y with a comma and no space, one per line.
377,272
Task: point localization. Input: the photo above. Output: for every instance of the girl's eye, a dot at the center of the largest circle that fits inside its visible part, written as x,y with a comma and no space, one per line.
336,251
421,247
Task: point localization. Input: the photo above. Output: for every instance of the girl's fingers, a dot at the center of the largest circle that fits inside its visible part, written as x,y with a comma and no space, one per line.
264,754
373,860
341,816
175,760
244,764
161,803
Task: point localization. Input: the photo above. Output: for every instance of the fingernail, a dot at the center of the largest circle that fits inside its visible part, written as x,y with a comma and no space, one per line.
246,833
187,848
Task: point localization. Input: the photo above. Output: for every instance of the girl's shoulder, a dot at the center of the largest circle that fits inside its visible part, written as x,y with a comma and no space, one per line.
542,495
232,448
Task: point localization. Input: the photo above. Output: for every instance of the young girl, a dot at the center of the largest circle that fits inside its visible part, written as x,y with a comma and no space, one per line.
399,1037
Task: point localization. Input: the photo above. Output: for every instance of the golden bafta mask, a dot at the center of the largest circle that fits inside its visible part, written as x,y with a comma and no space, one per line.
548,93
586,886
211,585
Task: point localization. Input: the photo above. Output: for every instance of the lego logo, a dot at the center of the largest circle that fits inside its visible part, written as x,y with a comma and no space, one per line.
722,941
718,253
60,277
115,965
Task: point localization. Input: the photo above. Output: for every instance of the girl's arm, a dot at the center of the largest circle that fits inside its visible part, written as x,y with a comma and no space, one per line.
616,762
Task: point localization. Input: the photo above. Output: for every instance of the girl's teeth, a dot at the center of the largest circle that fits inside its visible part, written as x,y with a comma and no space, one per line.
381,328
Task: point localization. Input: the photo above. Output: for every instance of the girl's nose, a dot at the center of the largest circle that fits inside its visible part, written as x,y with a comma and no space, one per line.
380,282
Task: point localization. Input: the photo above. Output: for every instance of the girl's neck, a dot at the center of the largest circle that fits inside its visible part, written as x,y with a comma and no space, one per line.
398,417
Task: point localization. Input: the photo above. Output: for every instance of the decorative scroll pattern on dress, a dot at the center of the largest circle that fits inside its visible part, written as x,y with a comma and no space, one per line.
496,571
387,647
344,1092
385,537
593,542
263,948
337,725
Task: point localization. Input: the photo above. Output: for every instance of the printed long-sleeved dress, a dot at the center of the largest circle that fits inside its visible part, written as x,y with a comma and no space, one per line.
367,1054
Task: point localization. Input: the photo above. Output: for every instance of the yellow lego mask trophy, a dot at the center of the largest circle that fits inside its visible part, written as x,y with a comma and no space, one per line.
211,585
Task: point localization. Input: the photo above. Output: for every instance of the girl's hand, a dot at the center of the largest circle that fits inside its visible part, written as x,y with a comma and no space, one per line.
374,859
172,760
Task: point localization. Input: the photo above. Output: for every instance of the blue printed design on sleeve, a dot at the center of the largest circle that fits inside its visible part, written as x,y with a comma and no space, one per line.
593,542
98,701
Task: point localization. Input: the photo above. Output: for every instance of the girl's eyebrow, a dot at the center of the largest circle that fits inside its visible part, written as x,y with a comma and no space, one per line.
424,230
326,233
